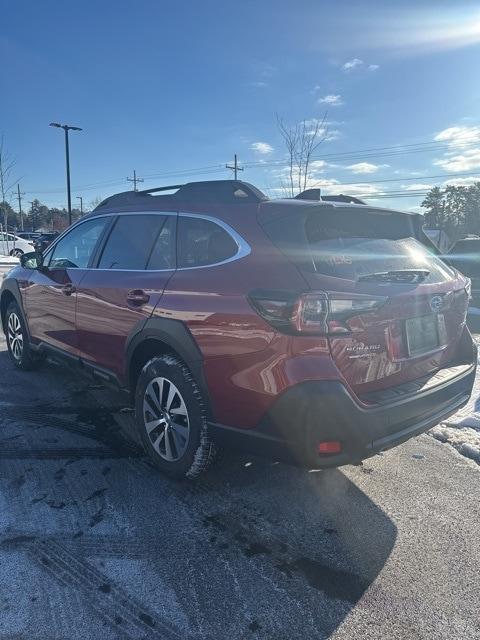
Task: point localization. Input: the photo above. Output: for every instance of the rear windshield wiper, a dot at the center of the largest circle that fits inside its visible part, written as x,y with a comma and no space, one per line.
410,276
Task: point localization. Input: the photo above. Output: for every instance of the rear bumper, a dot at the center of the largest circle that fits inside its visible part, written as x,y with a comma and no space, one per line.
316,411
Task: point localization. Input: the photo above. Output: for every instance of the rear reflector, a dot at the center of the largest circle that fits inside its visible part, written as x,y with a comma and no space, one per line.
330,446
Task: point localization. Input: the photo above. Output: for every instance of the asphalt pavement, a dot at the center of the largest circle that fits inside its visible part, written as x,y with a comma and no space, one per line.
96,544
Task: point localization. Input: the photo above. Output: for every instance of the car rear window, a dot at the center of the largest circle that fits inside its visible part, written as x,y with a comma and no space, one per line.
349,243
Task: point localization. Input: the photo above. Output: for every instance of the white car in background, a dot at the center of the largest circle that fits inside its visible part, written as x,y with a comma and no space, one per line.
11,245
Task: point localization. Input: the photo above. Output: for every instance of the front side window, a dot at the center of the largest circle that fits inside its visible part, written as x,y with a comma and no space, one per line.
203,242
132,241
75,249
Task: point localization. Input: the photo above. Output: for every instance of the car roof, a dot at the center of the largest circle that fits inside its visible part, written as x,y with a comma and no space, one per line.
221,192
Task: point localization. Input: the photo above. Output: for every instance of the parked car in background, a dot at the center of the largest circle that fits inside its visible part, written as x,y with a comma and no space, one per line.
44,240
320,332
12,245
465,256
28,235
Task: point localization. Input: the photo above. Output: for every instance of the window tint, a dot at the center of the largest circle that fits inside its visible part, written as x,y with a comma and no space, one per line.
201,242
76,248
131,241
163,252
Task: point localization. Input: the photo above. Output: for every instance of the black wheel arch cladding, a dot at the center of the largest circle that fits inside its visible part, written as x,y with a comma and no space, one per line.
176,336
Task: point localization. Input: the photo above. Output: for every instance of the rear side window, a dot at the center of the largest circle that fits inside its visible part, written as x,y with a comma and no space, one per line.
350,243
132,241
203,242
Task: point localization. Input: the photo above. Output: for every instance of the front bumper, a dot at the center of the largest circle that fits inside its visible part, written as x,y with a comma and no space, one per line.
316,411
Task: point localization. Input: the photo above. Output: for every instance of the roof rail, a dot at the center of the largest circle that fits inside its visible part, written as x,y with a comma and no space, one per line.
213,191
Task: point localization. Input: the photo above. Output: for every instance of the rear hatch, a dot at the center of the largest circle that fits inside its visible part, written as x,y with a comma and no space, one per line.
396,312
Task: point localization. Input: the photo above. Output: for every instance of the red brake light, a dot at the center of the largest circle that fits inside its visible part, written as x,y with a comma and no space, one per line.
330,446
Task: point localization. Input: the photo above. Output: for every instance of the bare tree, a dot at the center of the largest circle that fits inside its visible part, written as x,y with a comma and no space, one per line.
301,141
7,164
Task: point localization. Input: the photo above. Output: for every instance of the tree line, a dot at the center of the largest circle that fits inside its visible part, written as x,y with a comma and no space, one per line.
455,209
37,217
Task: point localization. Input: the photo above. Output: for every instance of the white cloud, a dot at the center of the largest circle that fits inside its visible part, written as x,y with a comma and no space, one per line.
373,67
326,130
318,165
458,136
416,187
466,161
461,182
365,167
462,154
361,190
332,100
352,64
259,83
263,148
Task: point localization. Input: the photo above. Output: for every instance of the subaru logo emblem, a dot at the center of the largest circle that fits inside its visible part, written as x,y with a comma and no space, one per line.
436,303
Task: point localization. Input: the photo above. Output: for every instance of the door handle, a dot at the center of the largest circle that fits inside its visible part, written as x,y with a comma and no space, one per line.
68,289
137,297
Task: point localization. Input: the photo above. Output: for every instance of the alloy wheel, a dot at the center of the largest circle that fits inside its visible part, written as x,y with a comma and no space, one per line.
15,336
166,419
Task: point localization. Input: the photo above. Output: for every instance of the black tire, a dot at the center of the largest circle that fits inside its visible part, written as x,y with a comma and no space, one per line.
191,454
18,344
18,253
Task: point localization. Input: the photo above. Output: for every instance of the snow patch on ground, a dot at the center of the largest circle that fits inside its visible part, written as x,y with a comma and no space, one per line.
465,439
8,260
462,430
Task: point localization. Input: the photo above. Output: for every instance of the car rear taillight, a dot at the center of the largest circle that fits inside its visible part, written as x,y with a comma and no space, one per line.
316,313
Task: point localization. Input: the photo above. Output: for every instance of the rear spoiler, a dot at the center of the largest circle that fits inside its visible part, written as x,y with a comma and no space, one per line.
315,194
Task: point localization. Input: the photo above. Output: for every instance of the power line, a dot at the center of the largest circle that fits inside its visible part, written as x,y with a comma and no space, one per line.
373,152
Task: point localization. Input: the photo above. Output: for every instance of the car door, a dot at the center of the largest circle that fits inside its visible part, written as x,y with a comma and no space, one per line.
133,268
51,291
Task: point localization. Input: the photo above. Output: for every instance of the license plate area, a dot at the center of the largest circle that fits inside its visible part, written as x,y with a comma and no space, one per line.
422,335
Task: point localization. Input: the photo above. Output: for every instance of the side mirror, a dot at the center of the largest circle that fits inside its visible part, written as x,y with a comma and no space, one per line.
32,260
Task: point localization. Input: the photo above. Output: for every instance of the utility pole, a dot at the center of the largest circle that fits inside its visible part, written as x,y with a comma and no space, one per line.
34,215
67,128
81,204
235,167
135,180
19,196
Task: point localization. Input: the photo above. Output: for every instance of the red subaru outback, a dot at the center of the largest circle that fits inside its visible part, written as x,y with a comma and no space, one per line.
320,332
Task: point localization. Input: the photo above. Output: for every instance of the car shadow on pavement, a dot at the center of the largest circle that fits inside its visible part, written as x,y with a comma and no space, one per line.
252,549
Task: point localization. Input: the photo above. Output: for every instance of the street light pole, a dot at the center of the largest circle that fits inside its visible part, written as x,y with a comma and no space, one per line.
81,204
69,195
67,128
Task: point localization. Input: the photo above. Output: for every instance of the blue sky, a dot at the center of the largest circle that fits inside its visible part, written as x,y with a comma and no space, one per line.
172,87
